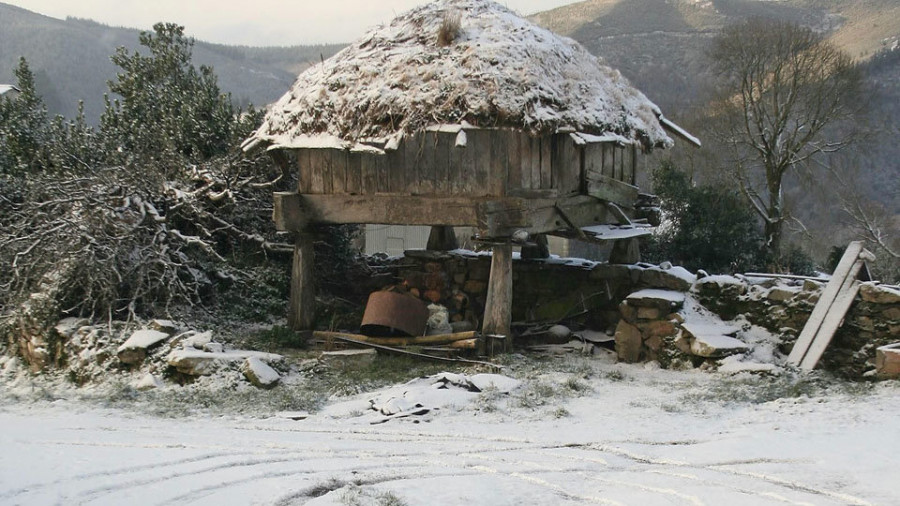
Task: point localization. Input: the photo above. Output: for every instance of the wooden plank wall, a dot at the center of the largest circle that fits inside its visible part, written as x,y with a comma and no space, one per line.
493,163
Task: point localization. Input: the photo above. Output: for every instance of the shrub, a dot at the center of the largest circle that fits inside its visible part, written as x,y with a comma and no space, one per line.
705,227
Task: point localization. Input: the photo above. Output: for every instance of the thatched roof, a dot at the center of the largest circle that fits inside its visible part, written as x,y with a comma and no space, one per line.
452,62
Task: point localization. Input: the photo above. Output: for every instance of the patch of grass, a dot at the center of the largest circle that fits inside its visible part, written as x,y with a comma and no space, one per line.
535,394
389,499
487,400
561,412
762,389
615,376
576,386
272,340
320,489
180,402
384,371
449,29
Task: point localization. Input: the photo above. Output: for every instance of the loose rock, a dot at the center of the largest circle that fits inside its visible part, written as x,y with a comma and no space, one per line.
628,342
259,373
134,350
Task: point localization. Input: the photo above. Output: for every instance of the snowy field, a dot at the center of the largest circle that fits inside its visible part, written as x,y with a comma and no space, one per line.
599,433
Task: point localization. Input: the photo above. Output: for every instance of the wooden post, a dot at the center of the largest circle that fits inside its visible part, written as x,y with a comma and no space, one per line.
540,250
442,238
498,306
625,251
302,309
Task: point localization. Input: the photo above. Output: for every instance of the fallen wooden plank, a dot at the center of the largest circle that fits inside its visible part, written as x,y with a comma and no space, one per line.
401,351
399,341
831,291
782,276
464,344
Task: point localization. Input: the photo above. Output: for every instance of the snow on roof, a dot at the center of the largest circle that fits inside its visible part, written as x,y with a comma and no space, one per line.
6,88
495,69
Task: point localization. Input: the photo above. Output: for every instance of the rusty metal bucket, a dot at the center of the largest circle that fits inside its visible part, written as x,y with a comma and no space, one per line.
394,314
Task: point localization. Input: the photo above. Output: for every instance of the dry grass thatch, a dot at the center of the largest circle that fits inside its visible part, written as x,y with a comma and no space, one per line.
457,62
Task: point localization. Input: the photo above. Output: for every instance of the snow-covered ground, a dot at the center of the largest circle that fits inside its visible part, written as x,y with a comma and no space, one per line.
575,431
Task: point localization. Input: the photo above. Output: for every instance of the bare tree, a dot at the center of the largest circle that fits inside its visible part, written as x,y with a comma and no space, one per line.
869,221
783,88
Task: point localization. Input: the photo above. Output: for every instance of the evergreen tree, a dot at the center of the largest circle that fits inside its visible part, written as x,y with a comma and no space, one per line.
23,126
168,109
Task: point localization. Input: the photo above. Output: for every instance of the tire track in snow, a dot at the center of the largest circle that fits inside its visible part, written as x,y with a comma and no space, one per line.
523,459
726,468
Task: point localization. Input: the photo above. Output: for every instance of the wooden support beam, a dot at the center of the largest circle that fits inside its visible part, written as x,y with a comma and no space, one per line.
442,238
612,190
294,212
302,308
541,248
498,306
540,216
625,251
493,216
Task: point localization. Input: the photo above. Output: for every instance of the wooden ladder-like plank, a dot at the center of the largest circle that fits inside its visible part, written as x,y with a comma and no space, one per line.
832,320
831,308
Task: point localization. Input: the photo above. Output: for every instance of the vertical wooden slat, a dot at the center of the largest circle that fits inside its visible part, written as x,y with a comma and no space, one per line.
456,163
427,167
535,143
634,164
383,173
354,172
593,158
442,170
556,164
499,171
396,167
546,160
304,177
514,159
318,171
620,163
327,172
412,152
565,164
604,160
338,159
468,169
525,160
482,161
614,151
369,173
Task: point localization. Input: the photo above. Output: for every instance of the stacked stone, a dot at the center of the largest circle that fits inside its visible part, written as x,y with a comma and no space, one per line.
649,326
783,308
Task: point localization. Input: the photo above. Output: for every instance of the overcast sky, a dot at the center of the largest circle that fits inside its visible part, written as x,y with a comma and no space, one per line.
253,22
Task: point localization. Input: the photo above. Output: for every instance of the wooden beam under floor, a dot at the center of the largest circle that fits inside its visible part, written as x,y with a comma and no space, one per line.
493,216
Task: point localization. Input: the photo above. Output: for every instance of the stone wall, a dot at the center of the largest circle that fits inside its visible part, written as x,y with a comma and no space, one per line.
784,307
543,290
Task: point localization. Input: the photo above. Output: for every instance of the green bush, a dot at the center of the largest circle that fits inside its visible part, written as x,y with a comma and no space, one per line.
704,227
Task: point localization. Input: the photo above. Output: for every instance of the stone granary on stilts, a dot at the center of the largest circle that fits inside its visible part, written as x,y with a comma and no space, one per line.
461,113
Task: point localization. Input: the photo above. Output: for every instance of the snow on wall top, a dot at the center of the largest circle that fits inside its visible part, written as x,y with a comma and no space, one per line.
497,70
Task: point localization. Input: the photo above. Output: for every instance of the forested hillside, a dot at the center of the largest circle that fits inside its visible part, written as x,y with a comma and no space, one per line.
71,61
